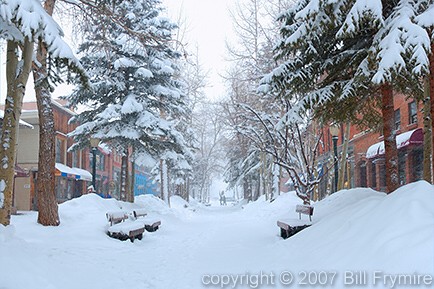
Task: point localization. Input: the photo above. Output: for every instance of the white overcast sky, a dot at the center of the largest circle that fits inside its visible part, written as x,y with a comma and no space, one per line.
208,26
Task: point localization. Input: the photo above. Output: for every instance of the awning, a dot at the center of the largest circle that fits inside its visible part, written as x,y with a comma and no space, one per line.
372,151
409,138
72,173
84,175
402,140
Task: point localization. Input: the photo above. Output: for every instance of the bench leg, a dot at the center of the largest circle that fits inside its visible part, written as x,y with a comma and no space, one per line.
283,233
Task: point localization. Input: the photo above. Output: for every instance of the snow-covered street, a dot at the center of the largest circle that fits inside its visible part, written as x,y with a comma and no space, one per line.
165,144
357,230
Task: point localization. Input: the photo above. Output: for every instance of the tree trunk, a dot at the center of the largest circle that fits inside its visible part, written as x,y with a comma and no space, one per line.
427,141
391,152
164,182
16,78
132,183
342,170
247,190
124,176
47,203
431,93
187,189
262,176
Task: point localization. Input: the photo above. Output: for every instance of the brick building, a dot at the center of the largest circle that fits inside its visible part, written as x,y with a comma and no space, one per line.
71,173
72,169
366,150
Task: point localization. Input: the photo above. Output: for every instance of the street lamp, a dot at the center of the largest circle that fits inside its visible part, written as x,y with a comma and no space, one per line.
94,144
334,131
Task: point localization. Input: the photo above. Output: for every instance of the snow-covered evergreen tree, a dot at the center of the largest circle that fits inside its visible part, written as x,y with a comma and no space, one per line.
334,51
134,98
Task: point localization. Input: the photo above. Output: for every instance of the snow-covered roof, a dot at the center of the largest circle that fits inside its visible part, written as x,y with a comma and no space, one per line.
21,122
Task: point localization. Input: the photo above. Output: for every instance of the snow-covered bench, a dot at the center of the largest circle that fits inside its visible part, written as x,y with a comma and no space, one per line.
115,217
139,213
304,209
151,224
122,227
127,230
289,227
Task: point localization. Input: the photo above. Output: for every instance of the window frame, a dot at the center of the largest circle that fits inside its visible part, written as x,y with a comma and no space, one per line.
412,115
397,119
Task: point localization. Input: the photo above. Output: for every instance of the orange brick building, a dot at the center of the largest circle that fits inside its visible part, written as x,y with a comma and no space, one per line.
366,151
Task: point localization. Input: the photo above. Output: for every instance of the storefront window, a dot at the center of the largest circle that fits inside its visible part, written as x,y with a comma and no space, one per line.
362,168
373,176
417,164
382,176
401,167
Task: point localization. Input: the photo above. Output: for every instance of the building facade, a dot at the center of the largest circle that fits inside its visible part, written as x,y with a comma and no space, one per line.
71,174
365,156
73,169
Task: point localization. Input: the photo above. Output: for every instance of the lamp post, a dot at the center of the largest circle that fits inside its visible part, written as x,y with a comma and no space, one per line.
334,131
94,144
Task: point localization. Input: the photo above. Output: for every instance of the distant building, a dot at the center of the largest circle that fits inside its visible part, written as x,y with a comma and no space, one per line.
143,183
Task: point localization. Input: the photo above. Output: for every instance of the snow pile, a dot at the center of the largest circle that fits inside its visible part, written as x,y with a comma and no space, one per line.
344,199
152,204
195,203
284,205
182,208
363,230
177,202
6,233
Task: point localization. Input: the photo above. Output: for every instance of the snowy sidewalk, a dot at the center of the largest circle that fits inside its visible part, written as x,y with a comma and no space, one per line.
196,247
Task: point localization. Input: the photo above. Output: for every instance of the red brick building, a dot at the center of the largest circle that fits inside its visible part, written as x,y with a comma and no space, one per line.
366,150
73,169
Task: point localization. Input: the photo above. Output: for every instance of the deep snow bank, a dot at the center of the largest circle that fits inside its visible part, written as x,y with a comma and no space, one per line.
361,229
